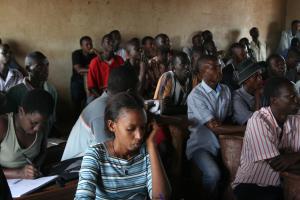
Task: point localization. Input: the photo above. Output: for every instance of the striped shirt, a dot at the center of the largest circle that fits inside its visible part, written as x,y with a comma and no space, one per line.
262,142
102,177
169,86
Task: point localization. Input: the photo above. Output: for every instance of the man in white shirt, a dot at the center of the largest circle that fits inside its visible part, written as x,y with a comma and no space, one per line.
287,36
258,47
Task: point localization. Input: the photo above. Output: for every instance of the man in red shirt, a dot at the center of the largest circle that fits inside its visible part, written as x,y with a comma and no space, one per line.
101,66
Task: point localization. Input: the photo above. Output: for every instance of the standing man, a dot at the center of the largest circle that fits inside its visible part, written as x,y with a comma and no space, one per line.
258,47
81,59
287,36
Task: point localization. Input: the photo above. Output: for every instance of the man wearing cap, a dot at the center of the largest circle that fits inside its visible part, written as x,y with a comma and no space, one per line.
247,99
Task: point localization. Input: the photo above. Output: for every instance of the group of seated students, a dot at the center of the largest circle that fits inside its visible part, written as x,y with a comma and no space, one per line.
124,147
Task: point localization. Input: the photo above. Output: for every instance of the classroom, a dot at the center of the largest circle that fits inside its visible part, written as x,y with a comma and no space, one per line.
152,99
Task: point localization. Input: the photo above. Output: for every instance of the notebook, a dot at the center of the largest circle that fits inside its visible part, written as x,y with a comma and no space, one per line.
19,187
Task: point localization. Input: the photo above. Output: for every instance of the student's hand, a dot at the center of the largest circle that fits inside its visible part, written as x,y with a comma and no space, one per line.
283,162
153,128
213,123
29,172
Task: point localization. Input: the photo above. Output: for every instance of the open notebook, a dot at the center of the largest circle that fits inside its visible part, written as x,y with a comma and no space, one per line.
19,187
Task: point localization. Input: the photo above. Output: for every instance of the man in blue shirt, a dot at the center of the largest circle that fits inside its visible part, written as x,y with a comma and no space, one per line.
209,104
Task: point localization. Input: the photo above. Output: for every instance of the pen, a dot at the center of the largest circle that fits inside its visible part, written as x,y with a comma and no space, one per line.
27,159
31,163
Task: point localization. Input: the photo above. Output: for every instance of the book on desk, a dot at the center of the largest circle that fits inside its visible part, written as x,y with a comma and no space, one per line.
19,187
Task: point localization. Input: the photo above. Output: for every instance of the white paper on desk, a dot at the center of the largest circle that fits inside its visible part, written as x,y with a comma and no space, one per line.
25,186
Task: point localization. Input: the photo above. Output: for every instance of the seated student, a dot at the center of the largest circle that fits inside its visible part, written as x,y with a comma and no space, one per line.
116,37
81,59
196,76
271,144
101,66
148,49
276,66
9,77
209,104
162,41
238,54
292,61
23,135
247,99
127,167
196,44
207,36
246,44
37,67
134,61
4,188
89,128
174,86
156,67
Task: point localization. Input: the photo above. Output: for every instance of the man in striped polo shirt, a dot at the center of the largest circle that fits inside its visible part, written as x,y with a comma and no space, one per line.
271,143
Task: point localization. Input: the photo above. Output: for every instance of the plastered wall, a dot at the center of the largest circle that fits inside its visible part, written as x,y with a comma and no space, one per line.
55,26
293,8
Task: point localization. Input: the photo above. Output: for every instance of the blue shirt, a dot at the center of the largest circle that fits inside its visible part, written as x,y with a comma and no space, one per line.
204,104
102,176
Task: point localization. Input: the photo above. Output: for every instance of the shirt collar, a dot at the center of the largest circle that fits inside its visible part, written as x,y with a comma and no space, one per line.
246,94
286,126
209,89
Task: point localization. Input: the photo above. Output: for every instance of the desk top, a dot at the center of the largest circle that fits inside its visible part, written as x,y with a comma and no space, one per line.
53,192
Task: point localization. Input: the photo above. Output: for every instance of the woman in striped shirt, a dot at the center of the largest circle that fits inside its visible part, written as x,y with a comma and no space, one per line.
127,167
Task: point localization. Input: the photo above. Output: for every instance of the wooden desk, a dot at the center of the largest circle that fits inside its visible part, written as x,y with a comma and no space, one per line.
291,186
53,192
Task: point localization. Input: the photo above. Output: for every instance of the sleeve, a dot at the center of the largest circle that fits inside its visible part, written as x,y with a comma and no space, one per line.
261,139
88,175
76,58
283,45
198,107
241,112
92,75
149,176
164,87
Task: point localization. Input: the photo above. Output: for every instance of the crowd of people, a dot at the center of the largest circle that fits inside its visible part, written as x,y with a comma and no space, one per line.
125,150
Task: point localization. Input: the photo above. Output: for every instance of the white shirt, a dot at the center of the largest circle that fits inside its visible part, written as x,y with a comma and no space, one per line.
13,78
260,51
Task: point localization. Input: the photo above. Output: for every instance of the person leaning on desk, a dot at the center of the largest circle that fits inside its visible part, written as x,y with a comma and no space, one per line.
22,139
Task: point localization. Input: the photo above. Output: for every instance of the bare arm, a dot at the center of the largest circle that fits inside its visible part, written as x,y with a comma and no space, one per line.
161,188
81,69
286,162
26,172
219,128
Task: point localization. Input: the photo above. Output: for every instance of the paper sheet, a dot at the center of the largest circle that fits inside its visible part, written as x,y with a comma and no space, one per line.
19,187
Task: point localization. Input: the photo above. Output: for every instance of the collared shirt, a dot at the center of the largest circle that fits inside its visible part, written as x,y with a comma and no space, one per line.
99,71
13,78
260,52
88,129
285,41
243,105
262,142
169,86
204,104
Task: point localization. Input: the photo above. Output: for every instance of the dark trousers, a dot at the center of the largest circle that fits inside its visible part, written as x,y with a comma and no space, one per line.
78,95
245,191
